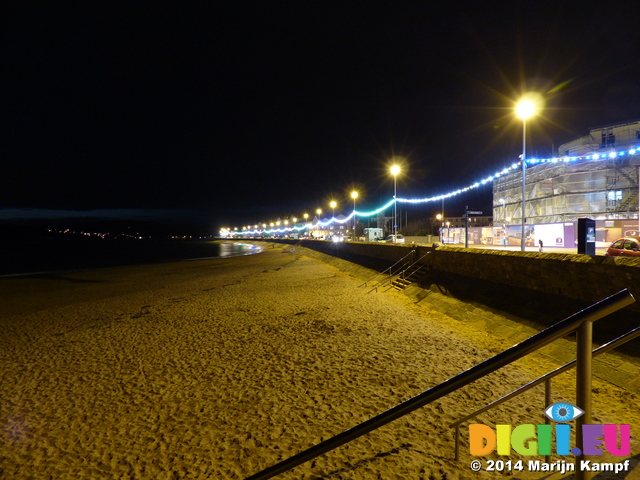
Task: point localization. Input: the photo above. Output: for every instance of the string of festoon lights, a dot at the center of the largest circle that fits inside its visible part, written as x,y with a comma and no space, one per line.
484,181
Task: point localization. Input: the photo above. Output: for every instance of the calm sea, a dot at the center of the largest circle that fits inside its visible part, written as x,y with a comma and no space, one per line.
59,254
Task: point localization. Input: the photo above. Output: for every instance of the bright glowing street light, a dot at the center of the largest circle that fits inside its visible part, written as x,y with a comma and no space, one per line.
319,212
354,195
333,206
395,170
525,109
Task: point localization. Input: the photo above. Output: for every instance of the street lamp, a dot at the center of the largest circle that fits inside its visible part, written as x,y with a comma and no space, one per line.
504,219
333,206
442,211
395,170
440,217
319,212
354,195
524,110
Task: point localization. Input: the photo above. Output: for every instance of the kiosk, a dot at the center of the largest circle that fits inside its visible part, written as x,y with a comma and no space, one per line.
586,236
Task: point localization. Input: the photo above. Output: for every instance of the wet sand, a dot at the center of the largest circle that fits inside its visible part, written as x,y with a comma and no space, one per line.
220,368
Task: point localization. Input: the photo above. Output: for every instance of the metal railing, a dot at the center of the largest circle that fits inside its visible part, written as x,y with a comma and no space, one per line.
390,270
533,343
403,272
546,379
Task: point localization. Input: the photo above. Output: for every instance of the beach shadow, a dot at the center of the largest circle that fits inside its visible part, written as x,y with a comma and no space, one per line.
376,457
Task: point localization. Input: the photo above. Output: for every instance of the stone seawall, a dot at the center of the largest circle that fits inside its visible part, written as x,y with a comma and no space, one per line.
578,277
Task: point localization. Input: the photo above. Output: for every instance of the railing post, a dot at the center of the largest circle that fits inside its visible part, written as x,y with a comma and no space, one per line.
547,402
584,344
457,454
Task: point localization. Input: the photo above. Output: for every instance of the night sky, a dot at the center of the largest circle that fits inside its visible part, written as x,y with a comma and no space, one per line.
233,112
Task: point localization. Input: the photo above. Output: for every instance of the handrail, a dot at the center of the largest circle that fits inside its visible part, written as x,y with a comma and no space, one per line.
403,271
559,330
622,339
616,342
378,274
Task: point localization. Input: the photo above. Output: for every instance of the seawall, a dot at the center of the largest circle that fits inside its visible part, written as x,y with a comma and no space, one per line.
579,277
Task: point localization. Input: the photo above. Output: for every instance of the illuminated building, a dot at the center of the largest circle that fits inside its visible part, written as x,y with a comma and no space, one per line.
595,176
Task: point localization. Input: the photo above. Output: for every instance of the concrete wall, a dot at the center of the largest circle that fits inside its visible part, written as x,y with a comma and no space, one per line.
421,240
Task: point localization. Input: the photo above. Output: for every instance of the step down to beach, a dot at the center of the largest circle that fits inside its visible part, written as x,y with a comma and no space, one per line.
407,278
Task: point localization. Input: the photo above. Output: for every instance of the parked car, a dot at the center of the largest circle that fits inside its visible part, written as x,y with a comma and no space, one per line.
395,239
624,247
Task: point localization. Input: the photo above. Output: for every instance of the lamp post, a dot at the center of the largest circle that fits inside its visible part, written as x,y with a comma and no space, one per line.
524,109
395,170
354,195
333,205
319,212
440,217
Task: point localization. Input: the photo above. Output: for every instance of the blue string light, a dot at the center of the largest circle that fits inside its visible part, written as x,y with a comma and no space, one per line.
484,181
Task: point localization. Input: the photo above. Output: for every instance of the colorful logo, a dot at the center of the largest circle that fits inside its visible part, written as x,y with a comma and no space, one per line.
530,440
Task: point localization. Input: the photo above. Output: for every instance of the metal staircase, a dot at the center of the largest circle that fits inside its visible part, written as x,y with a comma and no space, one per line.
401,274
408,276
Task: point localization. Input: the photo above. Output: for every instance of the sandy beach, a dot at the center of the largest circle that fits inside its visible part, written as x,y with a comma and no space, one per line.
217,369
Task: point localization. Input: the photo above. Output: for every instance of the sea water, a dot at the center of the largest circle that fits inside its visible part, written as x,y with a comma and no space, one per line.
24,257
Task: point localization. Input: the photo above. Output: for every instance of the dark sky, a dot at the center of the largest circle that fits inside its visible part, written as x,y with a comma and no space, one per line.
242,111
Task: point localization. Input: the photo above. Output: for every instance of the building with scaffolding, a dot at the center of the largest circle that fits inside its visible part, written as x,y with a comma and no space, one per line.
595,176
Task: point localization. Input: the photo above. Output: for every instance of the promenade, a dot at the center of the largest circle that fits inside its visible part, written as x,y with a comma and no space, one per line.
217,369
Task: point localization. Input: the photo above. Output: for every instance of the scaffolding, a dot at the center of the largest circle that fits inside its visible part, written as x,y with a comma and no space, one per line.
565,191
